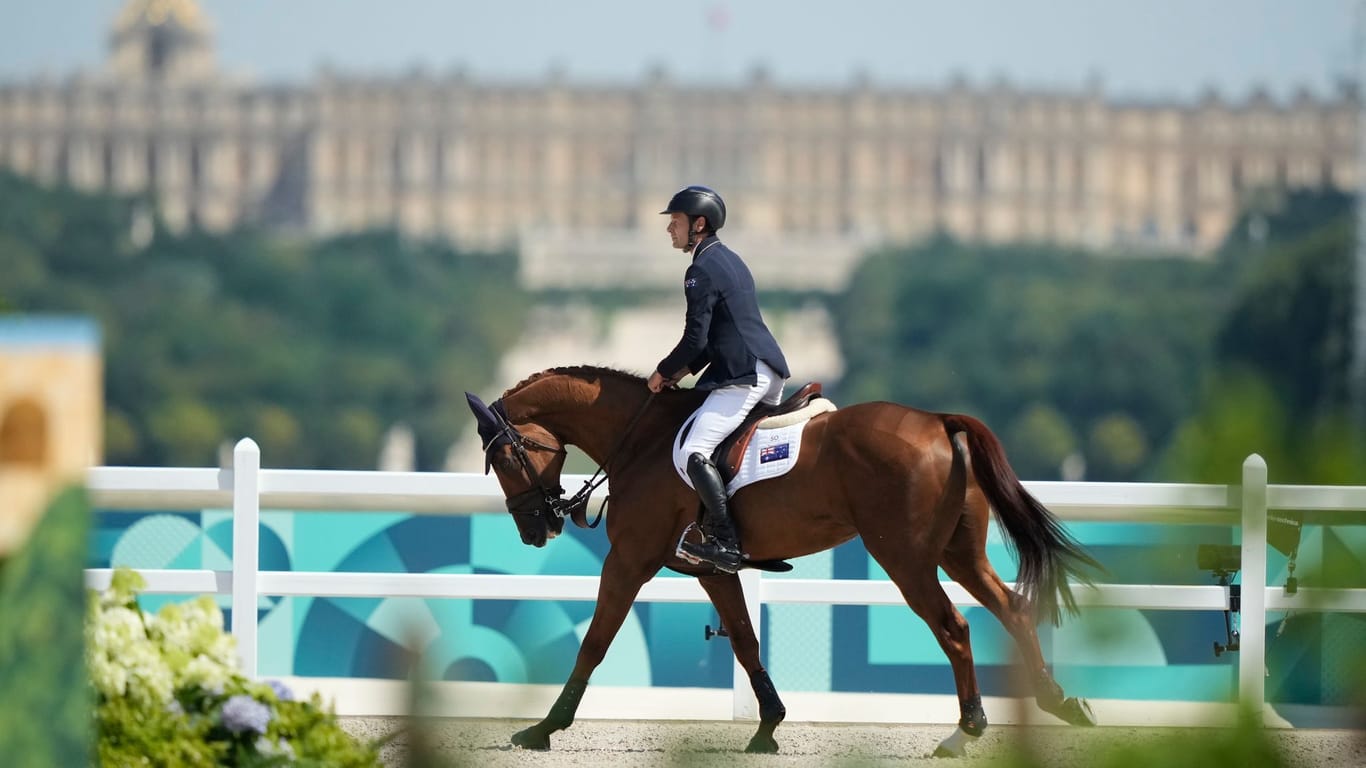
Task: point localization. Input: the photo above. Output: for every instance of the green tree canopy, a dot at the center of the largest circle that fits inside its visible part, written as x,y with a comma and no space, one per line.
1279,385
312,347
1002,332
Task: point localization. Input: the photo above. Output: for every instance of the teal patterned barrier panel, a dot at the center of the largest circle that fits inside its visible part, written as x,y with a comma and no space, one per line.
1106,653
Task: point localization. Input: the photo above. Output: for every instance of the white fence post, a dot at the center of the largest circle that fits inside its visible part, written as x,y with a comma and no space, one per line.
1252,637
246,534
744,705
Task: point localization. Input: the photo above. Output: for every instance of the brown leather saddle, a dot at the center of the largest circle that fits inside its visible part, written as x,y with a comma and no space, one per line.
731,452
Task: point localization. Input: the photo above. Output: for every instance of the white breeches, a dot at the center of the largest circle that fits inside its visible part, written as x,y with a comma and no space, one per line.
721,413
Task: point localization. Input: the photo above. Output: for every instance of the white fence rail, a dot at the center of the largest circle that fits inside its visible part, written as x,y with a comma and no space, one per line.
246,489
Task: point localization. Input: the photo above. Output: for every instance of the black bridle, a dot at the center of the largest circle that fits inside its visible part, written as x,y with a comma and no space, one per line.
541,500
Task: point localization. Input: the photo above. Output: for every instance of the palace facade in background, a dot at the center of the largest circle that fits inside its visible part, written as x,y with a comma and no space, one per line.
574,174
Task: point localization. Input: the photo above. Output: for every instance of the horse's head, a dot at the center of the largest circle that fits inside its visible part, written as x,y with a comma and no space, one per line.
527,460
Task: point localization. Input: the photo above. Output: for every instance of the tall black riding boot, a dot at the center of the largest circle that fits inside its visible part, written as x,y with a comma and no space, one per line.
722,547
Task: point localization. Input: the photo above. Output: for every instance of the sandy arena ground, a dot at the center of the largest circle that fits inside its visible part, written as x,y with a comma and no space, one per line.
484,743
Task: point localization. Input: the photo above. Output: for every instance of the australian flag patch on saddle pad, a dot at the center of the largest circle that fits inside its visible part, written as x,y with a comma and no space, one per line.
775,447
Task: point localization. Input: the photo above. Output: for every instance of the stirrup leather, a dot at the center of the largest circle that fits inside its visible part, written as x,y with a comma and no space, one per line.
711,552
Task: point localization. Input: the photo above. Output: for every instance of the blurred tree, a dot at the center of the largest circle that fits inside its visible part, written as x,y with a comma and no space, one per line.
1280,386
1040,438
350,440
121,440
278,434
21,264
1115,447
1292,320
994,331
257,331
1280,219
45,713
1241,416
187,430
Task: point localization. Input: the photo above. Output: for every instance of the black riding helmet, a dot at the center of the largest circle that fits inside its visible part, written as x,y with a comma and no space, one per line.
696,200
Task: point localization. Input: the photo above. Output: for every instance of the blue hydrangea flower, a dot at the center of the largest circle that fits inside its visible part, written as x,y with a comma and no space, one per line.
243,713
282,691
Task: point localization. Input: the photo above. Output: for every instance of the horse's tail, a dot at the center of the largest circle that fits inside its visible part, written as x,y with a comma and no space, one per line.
1047,554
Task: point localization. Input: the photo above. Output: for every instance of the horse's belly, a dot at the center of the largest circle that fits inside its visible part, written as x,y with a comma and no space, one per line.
787,517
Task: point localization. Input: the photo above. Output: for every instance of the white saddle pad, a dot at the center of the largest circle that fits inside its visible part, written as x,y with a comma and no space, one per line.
773,450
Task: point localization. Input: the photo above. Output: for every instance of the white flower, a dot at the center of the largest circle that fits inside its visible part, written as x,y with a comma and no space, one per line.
118,627
109,678
204,672
148,660
149,678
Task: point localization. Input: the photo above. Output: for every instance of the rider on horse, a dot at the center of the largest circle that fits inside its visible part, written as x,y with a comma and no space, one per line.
725,334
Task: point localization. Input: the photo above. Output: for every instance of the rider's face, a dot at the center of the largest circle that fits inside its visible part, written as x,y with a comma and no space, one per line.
678,230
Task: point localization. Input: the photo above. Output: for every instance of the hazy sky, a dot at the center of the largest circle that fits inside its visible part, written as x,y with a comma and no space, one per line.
1138,48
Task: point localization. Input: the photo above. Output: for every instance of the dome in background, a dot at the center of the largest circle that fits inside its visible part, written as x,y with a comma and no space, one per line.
157,13
161,40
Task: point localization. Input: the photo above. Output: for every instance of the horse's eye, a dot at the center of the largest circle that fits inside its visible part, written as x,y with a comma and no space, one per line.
505,463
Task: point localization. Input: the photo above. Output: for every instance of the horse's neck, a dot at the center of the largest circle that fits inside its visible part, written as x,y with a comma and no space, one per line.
593,417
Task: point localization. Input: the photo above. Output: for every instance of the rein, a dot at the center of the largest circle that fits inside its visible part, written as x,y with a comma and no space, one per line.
576,504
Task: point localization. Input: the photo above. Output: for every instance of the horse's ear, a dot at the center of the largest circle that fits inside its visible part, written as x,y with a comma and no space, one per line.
484,418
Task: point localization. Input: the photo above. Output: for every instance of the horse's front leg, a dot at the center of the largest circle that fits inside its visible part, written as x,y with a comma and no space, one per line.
728,596
617,589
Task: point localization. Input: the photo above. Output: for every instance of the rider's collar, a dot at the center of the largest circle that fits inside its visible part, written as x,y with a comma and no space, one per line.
703,245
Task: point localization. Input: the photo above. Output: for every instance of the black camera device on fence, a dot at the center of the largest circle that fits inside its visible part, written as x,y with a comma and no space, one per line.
1224,561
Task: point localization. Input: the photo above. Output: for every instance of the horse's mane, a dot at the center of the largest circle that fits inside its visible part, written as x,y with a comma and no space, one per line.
578,371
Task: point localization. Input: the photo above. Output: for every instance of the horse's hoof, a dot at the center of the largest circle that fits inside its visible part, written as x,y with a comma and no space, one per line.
956,745
762,745
1075,711
531,738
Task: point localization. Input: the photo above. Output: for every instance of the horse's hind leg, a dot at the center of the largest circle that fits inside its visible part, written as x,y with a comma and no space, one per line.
920,587
617,589
970,567
910,554
728,597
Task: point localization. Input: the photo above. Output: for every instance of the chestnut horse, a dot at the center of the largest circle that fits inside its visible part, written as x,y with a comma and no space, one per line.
900,478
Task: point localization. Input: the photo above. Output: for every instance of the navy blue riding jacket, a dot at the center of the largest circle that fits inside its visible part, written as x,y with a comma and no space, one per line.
724,331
